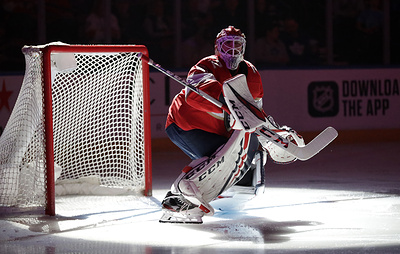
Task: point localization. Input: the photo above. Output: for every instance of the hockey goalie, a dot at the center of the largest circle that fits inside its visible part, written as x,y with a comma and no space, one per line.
228,156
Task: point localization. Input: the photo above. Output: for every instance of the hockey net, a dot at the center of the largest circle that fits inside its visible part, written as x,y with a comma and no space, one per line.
80,125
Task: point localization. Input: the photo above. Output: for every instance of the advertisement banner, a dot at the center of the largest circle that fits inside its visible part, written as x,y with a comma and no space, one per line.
310,100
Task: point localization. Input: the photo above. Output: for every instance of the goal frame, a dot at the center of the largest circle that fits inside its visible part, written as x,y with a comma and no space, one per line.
48,112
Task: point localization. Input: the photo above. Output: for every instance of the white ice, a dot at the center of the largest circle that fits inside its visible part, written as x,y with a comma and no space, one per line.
344,200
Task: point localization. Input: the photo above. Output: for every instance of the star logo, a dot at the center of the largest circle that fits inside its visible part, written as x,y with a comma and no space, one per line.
4,97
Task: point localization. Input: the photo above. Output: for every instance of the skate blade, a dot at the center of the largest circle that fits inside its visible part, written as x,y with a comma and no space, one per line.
181,222
168,218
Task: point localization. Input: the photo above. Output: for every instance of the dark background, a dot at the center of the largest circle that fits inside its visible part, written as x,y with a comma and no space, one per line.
344,33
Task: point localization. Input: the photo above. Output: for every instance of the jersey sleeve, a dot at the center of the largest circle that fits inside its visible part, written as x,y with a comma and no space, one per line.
201,77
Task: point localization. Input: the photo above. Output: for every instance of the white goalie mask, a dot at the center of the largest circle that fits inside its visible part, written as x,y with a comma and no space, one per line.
230,44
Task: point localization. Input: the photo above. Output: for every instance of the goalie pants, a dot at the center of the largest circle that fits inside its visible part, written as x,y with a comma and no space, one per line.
198,143
195,143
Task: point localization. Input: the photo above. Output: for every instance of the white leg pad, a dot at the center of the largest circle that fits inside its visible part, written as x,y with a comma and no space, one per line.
206,178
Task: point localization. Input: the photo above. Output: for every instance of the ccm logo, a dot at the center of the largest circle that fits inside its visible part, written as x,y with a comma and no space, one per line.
239,115
239,162
199,167
276,137
211,169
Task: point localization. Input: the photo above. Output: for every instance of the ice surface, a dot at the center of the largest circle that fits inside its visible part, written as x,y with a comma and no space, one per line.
344,200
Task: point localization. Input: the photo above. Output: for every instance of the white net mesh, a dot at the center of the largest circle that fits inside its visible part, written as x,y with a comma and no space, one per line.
98,128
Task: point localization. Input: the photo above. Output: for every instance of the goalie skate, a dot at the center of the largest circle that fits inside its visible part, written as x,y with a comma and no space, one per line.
177,209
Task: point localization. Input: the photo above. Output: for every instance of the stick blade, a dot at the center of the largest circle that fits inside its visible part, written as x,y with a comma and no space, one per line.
315,145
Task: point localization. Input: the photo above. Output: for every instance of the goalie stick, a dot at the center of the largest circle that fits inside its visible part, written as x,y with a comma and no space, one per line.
302,153
305,152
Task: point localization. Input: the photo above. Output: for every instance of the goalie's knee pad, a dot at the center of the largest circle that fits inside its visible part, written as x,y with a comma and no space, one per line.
206,178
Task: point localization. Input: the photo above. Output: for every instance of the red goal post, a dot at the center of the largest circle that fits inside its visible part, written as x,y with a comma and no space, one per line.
82,118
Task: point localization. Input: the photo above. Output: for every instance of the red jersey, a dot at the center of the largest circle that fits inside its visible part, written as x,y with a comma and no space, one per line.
191,111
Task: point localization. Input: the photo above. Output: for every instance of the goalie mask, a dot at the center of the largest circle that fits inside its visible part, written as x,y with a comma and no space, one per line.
230,45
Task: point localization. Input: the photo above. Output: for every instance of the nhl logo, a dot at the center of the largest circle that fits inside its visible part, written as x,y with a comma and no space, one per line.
323,99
